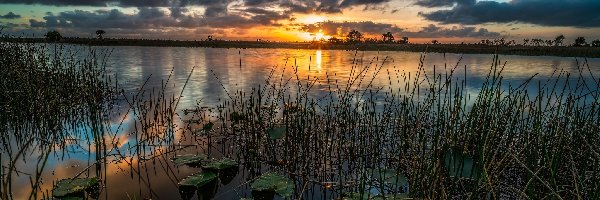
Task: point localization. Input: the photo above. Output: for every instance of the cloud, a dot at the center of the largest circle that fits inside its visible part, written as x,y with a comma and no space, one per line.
323,6
60,2
340,29
571,13
120,3
156,18
432,31
442,3
10,15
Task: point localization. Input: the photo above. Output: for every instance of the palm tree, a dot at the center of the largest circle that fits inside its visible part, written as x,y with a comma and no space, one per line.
99,34
388,37
558,41
354,36
596,43
580,41
53,36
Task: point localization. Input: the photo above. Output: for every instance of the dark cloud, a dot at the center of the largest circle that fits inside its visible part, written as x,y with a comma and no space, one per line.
350,3
433,31
152,18
59,2
573,13
325,6
340,29
121,3
10,15
442,3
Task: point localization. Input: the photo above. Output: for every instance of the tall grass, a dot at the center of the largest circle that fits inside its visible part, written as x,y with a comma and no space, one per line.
536,140
47,95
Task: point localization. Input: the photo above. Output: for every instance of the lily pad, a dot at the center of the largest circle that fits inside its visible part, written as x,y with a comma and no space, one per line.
198,180
190,159
73,187
276,132
274,182
221,164
458,164
208,126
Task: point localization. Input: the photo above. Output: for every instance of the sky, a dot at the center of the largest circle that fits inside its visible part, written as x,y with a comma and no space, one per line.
450,21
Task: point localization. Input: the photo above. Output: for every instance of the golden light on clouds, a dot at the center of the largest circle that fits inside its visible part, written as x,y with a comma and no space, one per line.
311,19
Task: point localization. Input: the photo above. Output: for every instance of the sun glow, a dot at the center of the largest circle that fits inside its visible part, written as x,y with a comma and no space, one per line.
311,19
318,36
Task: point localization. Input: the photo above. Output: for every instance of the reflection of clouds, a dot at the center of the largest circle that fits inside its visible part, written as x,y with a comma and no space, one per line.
134,64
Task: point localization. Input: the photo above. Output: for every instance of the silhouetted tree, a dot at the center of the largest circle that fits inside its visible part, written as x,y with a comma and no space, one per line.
525,42
435,42
596,43
354,36
210,38
53,36
388,37
404,40
558,41
100,33
537,42
334,40
580,41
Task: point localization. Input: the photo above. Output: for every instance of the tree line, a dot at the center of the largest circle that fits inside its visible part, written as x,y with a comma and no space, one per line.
355,36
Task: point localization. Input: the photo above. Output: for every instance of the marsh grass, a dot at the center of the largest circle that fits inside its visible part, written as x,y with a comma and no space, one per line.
47,93
535,140
424,135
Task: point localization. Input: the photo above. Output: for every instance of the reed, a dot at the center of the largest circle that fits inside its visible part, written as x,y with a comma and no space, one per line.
427,139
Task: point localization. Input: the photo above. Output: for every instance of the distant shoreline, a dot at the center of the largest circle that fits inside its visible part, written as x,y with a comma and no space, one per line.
563,51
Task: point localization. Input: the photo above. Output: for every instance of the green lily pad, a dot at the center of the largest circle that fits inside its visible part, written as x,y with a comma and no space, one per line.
208,126
274,182
198,180
73,187
221,164
458,164
190,159
276,132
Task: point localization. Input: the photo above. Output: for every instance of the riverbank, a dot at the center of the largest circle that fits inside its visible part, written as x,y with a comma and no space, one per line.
588,52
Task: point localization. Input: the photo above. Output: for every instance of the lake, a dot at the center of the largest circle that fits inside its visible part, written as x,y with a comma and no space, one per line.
205,77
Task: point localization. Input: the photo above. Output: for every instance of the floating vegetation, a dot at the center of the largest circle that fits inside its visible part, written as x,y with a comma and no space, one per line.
198,180
75,188
273,182
221,164
190,159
